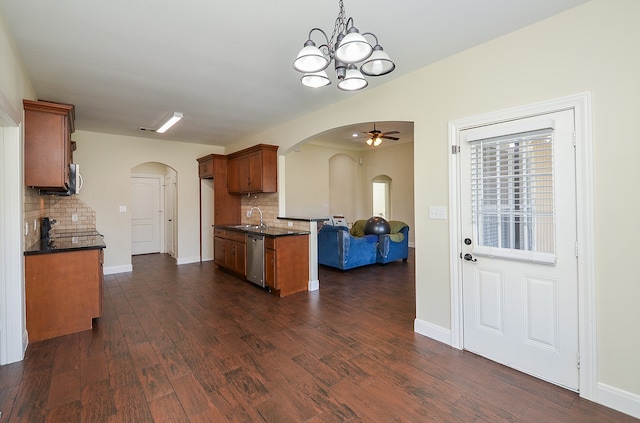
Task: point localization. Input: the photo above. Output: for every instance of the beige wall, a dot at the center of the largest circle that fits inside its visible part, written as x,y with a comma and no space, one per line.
592,47
106,162
307,181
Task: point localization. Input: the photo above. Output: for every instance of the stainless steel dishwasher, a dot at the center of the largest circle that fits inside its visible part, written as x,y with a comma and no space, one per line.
255,259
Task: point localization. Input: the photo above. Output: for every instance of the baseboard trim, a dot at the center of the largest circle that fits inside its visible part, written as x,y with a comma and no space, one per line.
432,331
187,260
622,401
111,270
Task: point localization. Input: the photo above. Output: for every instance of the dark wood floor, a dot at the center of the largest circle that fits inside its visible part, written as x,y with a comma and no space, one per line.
191,343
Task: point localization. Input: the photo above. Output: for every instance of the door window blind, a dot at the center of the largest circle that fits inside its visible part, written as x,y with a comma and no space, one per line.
512,195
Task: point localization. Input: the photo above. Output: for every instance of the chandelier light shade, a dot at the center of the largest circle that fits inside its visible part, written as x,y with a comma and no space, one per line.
353,80
348,49
310,59
378,63
315,79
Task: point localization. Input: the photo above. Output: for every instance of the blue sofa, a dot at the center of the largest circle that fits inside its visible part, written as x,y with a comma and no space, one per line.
393,247
338,248
345,249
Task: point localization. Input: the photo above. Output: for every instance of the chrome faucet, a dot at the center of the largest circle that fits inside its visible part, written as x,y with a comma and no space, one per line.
262,225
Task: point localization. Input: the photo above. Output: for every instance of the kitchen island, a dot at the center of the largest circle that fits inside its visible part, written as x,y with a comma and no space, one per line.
271,257
64,284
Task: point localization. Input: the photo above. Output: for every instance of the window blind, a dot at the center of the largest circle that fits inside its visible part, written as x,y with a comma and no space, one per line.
512,192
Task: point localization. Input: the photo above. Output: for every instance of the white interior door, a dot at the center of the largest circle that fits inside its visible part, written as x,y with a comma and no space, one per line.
145,215
518,222
169,215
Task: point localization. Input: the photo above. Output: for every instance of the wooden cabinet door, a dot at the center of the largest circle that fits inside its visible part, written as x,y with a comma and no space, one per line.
240,258
233,176
270,268
244,173
219,251
205,169
254,168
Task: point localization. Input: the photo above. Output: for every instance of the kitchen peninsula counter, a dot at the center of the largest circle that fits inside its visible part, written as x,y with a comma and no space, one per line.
67,241
266,231
64,284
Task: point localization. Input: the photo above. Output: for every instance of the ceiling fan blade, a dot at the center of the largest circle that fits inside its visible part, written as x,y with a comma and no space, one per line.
390,132
390,138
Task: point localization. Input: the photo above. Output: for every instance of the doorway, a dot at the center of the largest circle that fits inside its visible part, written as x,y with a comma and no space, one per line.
516,295
153,210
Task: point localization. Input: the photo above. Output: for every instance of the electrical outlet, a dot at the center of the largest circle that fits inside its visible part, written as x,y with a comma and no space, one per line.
289,224
248,213
74,217
26,228
35,224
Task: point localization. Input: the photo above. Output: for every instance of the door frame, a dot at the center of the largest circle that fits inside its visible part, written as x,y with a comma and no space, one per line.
583,139
161,226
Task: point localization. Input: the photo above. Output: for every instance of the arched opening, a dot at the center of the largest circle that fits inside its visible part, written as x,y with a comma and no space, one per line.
381,193
153,209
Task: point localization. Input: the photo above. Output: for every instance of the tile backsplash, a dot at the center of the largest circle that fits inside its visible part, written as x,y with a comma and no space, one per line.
268,203
70,214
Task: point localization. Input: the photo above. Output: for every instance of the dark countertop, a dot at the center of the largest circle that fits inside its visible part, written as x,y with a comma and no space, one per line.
304,219
269,231
60,242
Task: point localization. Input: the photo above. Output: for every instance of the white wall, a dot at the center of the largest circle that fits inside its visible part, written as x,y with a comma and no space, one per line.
14,87
592,47
106,161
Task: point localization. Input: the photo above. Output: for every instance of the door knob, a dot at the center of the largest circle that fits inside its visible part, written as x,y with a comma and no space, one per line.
469,257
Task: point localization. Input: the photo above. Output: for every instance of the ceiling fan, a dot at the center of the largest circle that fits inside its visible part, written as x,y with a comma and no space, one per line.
375,136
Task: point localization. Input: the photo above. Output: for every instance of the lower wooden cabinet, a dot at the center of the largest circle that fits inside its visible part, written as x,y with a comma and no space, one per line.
64,292
230,250
286,263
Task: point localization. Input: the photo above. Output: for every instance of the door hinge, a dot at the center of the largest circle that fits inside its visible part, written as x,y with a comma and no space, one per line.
576,248
455,149
574,138
578,359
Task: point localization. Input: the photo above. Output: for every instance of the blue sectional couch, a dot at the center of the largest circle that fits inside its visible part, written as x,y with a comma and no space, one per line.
345,249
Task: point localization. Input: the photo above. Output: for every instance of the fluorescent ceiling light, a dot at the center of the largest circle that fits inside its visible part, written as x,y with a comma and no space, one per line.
168,124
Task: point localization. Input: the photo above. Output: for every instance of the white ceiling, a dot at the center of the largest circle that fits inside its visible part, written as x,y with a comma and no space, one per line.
227,65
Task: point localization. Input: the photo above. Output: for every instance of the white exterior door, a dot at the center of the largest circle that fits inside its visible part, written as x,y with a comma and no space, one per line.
518,224
145,215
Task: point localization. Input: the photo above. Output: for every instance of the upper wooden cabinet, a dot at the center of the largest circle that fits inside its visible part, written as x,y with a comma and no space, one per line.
226,207
253,170
47,144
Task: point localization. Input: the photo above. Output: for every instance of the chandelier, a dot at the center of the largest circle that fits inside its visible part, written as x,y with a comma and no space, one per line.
347,48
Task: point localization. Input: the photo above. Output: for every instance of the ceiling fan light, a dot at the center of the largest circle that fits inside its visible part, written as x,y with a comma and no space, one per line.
353,47
378,64
377,142
370,141
315,79
353,80
310,59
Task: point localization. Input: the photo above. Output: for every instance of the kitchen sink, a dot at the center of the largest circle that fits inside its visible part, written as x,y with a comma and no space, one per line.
249,227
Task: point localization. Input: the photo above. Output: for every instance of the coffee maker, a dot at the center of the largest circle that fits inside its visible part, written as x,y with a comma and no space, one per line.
45,228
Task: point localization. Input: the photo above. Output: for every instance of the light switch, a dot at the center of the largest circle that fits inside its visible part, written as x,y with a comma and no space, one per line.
438,212
123,209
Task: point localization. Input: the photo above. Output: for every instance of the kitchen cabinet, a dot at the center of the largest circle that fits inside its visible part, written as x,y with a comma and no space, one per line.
253,170
47,144
230,250
64,292
226,207
286,263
